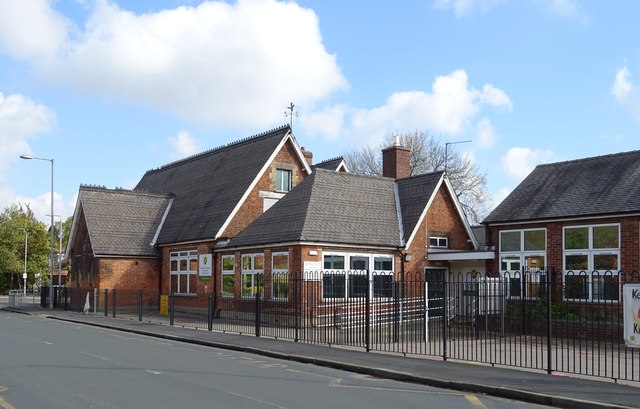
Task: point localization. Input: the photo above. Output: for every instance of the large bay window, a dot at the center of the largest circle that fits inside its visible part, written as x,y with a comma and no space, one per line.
353,282
523,255
280,276
184,271
591,261
252,273
228,275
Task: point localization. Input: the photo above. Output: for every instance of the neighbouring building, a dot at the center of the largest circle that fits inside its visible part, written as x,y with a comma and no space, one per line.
579,218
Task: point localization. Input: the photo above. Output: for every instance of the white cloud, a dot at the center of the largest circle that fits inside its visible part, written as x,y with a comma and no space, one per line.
486,135
184,145
20,119
448,108
621,84
519,162
327,123
217,63
462,8
626,92
31,28
563,8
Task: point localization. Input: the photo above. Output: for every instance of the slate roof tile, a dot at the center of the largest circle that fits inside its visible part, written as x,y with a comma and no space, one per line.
122,222
596,186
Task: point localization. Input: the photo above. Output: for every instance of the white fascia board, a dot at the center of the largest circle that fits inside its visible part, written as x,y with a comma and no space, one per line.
287,137
74,227
164,217
460,255
424,212
304,243
564,219
398,212
463,217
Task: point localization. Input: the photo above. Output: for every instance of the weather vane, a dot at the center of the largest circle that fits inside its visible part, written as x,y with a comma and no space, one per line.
291,114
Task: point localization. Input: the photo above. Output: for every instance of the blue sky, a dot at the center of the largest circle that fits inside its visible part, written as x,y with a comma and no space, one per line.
110,89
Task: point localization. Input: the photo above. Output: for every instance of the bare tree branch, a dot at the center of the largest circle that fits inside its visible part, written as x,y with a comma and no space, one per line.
428,155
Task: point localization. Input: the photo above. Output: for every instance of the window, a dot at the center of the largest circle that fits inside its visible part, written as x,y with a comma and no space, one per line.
283,180
441,242
279,276
228,275
184,271
338,282
592,262
252,270
523,256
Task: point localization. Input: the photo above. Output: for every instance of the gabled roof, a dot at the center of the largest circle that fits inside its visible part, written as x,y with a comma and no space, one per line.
591,187
344,208
414,194
210,187
336,164
120,222
330,207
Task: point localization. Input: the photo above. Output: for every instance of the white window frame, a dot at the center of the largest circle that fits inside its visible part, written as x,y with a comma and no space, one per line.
350,274
279,275
594,278
442,242
280,182
256,274
227,273
520,256
178,257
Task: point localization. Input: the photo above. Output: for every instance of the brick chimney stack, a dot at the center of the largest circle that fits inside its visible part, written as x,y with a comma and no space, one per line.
395,161
307,155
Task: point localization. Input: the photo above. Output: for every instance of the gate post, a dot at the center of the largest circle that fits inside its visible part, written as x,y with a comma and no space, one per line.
113,298
549,361
141,294
171,308
298,291
445,318
210,309
106,303
258,313
367,314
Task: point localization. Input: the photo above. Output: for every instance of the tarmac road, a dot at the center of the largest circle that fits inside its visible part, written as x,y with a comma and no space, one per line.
55,364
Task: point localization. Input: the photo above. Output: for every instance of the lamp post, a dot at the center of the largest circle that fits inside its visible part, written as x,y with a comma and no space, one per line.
26,248
29,157
60,251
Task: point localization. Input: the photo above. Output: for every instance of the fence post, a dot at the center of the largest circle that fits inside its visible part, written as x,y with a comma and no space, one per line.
210,311
396,311
298,285
95,301
258,313
367,314
171,308
113,298
140,305
106,303
549,361
445,318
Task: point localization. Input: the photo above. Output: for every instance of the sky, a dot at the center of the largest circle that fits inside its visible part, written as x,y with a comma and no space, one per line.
109,89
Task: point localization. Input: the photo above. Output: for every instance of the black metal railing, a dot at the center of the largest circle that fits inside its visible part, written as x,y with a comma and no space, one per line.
569,322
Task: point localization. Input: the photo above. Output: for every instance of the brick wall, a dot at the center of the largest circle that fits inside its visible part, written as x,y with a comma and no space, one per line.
253,206
395,162
629,240
442,219
127,273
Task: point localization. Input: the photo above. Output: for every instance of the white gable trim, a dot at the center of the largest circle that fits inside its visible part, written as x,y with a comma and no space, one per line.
74,226
301,158
399,213
444,180
463,217
343,166
424,212
164,217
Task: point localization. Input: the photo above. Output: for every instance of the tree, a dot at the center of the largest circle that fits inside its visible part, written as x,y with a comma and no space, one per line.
429,155
15,222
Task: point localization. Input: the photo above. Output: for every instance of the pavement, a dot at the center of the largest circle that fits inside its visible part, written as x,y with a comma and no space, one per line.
559,390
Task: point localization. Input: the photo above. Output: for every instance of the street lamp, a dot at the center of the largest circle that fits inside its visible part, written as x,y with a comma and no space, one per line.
26,247
60,251
29,157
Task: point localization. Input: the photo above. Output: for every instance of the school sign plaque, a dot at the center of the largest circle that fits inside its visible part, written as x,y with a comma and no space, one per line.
631,297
